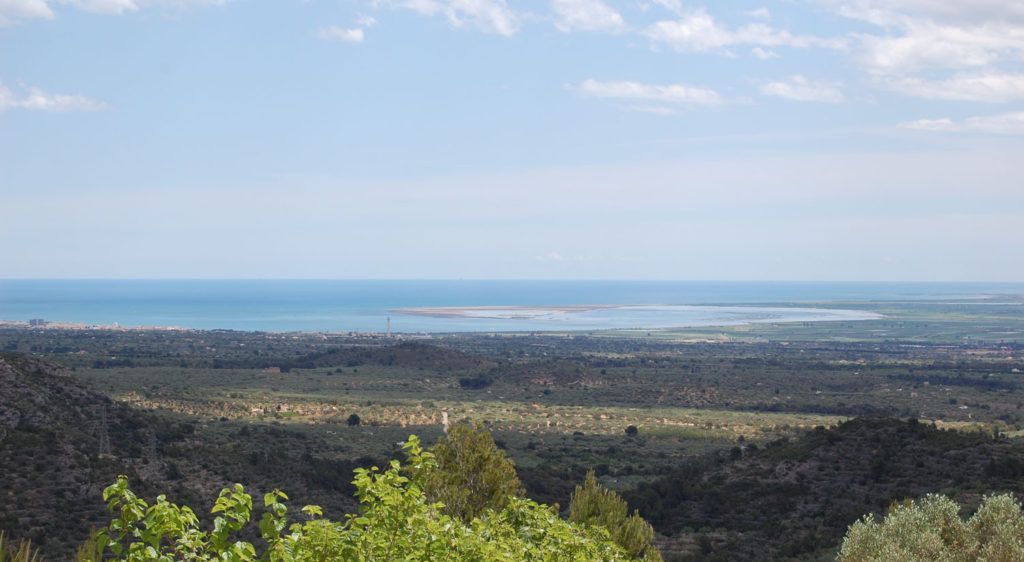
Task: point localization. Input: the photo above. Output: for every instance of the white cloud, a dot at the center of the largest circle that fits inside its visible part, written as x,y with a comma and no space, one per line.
1007,123
12,11
348,34
942,49
341,35
925,45
40,100
671,93
655,109
980,87
551,256
892,12
764,54
698,31
761,12
586,15
942,124
488,16
6,98
799,88
674,6
110,7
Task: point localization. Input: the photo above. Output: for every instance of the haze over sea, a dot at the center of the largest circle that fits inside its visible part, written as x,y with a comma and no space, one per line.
363,306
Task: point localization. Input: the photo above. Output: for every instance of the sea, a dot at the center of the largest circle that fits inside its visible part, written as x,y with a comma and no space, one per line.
341,306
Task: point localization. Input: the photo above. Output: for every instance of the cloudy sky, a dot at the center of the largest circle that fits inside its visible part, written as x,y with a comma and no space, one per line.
638,139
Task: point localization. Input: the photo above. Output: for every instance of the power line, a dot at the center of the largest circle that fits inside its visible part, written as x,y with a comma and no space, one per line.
101,430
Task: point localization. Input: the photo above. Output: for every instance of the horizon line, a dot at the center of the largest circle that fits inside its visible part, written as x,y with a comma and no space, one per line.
522,280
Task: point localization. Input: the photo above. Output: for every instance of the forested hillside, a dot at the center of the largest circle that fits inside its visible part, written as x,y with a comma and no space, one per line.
796,498
61,444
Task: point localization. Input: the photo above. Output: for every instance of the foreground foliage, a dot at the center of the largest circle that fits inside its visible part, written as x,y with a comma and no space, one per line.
396,521
931,529
21,552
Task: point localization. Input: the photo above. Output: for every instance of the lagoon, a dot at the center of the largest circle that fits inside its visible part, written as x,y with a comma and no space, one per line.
365,305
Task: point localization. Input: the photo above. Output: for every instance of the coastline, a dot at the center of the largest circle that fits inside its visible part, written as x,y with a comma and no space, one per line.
115,327
754,313
481,311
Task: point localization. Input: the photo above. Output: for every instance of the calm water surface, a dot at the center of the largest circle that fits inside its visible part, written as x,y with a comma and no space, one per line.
341,306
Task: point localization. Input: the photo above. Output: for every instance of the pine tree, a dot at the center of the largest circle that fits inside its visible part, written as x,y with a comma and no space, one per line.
472,474
593,504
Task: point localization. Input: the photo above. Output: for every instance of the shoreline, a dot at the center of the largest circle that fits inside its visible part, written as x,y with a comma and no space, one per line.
115,327
521,312
468,311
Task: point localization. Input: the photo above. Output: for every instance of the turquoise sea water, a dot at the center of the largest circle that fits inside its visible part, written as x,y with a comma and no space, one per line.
342,306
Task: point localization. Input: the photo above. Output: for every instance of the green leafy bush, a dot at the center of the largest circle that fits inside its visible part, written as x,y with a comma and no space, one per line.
931,529
396,521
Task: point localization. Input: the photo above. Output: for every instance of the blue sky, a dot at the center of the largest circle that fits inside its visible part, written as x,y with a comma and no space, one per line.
819,140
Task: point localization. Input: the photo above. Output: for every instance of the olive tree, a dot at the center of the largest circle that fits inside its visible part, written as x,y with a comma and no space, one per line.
932,529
